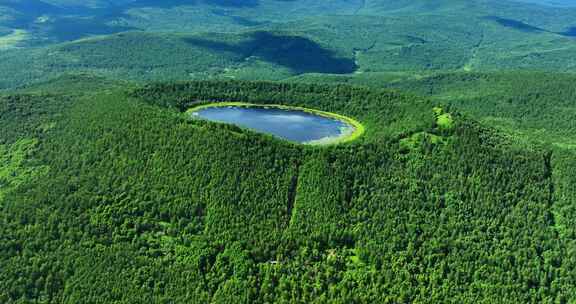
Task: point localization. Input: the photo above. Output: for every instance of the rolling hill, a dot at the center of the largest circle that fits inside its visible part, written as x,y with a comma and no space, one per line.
224,40
122,198
461,190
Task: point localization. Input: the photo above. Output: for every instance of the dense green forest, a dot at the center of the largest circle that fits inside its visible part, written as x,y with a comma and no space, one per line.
533,106
117,196
156,40
461,190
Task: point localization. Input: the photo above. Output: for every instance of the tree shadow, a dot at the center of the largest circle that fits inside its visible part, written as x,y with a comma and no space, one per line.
299,54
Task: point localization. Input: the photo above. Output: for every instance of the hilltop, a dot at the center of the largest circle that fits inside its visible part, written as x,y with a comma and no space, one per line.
121,197
460,190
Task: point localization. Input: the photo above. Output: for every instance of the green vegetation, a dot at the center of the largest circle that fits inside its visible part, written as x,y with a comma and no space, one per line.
417,140
357,126
534,106
13,171
349,40
458,186
443,120
138,203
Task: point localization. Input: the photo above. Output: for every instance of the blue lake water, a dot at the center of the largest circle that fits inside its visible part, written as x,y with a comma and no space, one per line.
293,125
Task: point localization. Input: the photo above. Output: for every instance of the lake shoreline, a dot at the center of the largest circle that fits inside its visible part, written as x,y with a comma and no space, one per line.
357,128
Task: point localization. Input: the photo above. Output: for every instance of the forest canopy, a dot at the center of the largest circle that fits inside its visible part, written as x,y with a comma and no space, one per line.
122,197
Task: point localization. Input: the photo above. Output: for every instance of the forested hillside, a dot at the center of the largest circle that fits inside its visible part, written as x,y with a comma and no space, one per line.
276,40
121,197
534,106
462,189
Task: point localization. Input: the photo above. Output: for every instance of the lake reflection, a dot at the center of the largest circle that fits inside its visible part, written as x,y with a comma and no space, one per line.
293,125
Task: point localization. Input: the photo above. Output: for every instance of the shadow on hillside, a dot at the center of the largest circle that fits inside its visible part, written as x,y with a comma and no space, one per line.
299,54
571,32
524,27
70,22
515,24
69,29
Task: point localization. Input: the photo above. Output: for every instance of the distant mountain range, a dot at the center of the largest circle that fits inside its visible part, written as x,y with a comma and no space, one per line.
65,20
557,3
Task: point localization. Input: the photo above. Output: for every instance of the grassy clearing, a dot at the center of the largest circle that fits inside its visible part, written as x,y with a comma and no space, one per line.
444,121
358,128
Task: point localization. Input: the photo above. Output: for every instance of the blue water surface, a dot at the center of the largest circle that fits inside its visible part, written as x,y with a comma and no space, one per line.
293,125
